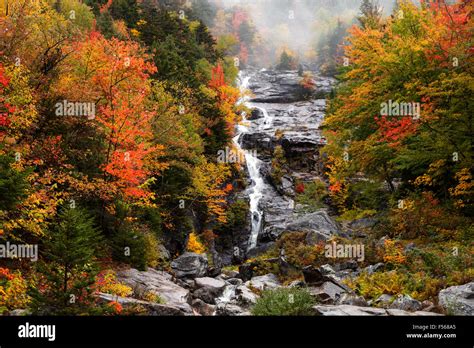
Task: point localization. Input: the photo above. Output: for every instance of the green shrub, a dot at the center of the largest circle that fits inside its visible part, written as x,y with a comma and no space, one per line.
130,246
313,195
284,301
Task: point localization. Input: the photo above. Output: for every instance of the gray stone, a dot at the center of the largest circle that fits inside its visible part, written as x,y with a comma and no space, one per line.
18,312
297,284
352,299
190,265
213,284
203,308
158,283
384,300
406,303
151,307
312,275
458,300
345,310
318,221
164,253
399,312
235,281
227,274
348,310
316,237
206,295
348,264
327,292
264,282
428,306
326,269
230,309
245,296
255,114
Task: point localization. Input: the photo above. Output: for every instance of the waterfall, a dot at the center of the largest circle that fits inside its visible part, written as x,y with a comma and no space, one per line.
253,165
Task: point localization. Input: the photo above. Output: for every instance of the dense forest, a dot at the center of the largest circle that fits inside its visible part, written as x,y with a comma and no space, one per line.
114,115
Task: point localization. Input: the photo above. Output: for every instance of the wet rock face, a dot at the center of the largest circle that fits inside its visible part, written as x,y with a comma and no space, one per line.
319,225
273,86
284,116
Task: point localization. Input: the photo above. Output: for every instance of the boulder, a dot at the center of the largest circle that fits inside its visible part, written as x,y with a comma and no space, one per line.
297,284
203,308
344,310
264,282
256,114
348,310
327,292
245,296
213,284
164,253
406,303
326,269
315,237
235,281
318,221
348,264
458,300
158,283
190,265
399,312
384,300
206,295
208,289
362,224
227,274
19,312
150,307
352,299
246,270
428,306
312,275
230,309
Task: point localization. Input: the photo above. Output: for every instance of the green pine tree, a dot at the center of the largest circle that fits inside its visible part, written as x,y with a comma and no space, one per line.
13,183
68,266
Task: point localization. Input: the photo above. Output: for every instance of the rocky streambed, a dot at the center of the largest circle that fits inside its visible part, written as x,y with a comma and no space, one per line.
282,118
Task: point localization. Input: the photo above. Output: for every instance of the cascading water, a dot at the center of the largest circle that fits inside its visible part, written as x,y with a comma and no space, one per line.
253,165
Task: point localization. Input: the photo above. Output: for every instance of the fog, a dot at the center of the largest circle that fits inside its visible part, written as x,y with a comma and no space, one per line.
297,25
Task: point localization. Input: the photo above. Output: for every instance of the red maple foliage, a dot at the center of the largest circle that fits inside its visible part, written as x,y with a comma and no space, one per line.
394,131
217,77
300,188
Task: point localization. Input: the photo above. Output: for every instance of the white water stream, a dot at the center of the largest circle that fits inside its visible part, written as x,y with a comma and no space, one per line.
253,163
